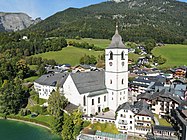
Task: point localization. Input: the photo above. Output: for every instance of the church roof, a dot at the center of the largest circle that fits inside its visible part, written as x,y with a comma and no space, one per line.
87,82
116,41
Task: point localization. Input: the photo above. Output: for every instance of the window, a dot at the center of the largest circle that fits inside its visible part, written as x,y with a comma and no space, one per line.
130,122
122,81
121,115
98,100
110,81
92,101
130,127
120,93
105,98
122,56
112,98
112,93
111,56
84,100
120,99
130,116
142,118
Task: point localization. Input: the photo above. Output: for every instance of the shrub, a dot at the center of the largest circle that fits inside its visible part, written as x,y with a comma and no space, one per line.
24,112
86,123
39,109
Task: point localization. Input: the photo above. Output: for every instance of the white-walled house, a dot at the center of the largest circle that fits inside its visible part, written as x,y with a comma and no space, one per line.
161,102
48,83
134,119
95,90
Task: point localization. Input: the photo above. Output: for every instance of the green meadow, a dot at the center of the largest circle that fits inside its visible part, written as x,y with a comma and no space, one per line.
70,55
175,54
101,43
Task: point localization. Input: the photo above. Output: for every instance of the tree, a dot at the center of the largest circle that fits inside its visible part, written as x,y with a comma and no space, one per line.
78,122
86,59
67,129
22,68
12,97
149,45
56,104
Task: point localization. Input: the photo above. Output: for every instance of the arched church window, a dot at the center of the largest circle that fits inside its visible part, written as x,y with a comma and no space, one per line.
122,56
111,56
84,100
122,81
110,81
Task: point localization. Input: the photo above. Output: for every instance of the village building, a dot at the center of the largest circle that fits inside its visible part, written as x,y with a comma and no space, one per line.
48,83
98,135
134,119
164,132
161,102
179,119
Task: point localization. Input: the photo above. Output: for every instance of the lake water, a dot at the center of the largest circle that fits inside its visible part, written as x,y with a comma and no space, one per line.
13,130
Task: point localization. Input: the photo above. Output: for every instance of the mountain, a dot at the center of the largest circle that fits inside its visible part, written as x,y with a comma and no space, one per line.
15,21
163,20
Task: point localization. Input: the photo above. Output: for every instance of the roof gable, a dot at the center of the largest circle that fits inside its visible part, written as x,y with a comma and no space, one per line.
86,82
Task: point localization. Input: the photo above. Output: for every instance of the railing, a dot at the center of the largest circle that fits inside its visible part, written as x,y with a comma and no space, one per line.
142,126
122,123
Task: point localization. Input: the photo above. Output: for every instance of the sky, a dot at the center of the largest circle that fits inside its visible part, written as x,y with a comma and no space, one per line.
44,8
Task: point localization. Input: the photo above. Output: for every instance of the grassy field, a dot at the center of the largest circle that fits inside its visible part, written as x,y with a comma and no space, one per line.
104,127
176,55
31,79
133,56
101,43
162,121
70,55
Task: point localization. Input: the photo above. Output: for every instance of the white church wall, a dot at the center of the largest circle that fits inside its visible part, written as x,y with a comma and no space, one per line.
71,92
93,108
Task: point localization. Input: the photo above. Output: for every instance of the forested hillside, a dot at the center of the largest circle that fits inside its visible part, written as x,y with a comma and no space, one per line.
163,20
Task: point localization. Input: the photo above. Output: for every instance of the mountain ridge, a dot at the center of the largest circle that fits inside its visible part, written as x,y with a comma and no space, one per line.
163,20
15,21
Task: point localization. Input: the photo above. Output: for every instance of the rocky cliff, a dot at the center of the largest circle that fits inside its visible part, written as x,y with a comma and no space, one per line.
15,21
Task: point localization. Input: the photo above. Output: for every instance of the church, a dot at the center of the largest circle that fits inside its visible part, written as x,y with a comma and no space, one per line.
93,91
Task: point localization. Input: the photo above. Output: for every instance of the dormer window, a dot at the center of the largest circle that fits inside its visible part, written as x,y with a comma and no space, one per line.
111,56
122,56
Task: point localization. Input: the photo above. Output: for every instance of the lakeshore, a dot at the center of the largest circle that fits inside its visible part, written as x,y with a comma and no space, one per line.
18,130
33,123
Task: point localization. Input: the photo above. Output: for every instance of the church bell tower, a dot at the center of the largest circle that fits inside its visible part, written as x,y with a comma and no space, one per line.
116,72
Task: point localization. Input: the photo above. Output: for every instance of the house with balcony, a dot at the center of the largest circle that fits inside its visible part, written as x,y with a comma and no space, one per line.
134,119
179,119
161,102
180,72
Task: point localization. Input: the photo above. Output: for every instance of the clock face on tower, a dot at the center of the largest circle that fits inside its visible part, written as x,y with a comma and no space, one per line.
110,63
